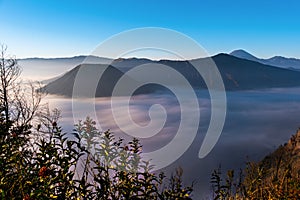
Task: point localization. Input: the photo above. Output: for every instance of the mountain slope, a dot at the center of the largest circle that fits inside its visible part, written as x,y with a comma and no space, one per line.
64,85
237,74
244,74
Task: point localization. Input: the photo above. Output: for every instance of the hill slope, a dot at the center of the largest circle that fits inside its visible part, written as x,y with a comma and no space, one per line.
285,157
64,85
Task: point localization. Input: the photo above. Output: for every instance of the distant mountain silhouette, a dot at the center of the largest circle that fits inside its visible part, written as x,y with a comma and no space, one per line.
237,74
244,55
73,60
43,69
277,61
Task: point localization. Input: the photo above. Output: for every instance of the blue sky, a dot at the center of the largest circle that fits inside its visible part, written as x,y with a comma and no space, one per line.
59,28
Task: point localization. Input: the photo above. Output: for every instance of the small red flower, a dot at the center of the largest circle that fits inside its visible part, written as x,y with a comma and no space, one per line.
26,197
43,172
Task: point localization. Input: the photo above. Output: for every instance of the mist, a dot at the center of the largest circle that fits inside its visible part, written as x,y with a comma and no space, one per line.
257,122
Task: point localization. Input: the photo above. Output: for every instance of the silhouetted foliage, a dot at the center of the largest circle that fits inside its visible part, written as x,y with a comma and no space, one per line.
40,161
58,165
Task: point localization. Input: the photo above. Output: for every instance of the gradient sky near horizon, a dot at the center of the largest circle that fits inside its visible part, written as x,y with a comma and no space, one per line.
62,28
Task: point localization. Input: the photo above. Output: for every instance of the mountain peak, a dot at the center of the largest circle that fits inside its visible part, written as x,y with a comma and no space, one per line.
240,53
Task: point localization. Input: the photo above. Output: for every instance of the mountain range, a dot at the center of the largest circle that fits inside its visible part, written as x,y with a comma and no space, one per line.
49,69
237,74
277,61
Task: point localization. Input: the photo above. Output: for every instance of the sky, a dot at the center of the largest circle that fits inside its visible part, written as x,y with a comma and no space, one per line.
63,28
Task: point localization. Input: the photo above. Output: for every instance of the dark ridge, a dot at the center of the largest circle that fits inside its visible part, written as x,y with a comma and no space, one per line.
237,74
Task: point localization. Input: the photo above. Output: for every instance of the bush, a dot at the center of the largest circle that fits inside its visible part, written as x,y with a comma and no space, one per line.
86,164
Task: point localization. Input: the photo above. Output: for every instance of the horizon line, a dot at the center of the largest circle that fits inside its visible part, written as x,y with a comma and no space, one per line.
152,59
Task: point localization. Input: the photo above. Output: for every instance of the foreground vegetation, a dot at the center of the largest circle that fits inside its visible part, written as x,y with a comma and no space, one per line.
39,161
52,166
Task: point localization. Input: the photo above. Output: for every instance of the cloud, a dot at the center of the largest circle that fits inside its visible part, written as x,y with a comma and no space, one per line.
257,122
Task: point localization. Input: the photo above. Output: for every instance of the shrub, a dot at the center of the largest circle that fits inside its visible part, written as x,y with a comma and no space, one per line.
86,164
